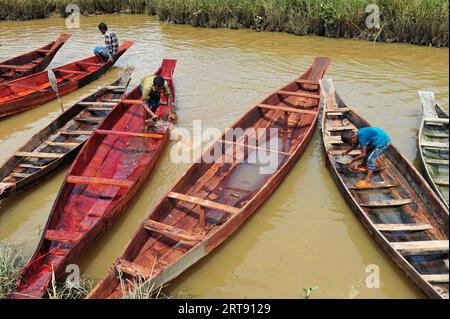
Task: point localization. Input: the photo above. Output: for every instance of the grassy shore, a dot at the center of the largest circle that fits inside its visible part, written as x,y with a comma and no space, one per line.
423,22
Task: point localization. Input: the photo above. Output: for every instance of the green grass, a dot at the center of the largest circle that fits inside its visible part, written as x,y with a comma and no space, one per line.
11,262
423,22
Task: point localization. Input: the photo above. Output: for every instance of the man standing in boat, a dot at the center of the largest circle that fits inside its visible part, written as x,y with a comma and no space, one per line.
152,86
373,142
109,51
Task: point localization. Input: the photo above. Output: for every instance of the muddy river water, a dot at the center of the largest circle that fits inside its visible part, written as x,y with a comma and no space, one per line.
304,235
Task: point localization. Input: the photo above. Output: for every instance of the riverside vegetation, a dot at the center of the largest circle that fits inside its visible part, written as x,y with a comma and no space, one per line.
423,22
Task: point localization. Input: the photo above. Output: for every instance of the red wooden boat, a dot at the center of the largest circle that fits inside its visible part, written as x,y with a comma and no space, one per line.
214,198
28,92
31,62
109,170
59,142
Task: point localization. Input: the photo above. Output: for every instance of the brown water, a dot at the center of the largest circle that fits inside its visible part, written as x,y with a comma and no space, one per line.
305,235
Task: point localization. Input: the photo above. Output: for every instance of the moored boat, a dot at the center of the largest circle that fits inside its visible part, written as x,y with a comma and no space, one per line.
217,194
31,62
59,142
433,144
400,210
109,170
33,90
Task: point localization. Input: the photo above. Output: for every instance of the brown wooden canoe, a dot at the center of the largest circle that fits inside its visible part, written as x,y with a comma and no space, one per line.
59,142
107,173
31,62
215,197
400,211
33,90
433,144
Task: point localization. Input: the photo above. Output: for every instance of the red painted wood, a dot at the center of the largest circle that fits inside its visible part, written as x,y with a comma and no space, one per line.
31,62
92,209
33,90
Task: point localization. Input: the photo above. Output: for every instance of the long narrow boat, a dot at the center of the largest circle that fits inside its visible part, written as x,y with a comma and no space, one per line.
219,193
28,92
31,62
433,144
109,170
59,142
402,213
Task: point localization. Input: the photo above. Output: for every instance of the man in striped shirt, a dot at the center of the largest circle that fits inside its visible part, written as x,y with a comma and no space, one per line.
109,51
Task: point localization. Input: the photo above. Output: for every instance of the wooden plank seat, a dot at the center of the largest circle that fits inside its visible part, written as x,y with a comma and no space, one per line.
204,203
87,180
436,278
115,88
38,154
340,128
103,104
173,232
403,227
69,132
20,175
71,71
441,181
286,109
338,110
88,118
387,203
430,120
98,109
63,236
434,145
436,161
420,247
267,150
31,166
16,67
300,94
309,82
132,269
62,144
136,134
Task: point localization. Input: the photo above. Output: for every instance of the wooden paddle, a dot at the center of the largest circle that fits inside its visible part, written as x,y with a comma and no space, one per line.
54,84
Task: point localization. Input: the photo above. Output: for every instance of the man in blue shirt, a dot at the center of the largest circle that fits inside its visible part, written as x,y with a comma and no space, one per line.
373,141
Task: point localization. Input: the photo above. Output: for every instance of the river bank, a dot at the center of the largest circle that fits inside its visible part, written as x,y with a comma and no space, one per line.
422,22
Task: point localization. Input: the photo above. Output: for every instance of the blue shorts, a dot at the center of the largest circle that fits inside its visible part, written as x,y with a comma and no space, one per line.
374,155
101,52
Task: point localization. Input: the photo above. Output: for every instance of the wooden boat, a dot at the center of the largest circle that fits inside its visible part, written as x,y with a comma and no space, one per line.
33,90
400,210
433,144
109,170
216,196
59,142
31,62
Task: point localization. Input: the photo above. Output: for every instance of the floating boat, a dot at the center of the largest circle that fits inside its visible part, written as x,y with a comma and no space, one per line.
59,142
219,193
31,62
33,90
402,213
433,144
109,170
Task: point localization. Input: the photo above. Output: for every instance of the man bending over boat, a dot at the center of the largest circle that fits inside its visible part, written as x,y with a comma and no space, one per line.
152,86
109,51
373,141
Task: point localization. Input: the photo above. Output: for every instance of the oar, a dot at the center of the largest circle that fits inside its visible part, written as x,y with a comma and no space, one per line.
52,79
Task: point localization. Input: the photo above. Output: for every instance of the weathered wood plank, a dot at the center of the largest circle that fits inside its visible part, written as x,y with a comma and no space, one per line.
436,162
420,247
172,232
436,278
132,269
88,119
435,145
62,236
375,185
441,181
429,120
20,175
403,227
38,154
62,144
340,128
67,132
267,150
309,82
204,203
97,103
286,109
300,94
387,203
96,180
147,135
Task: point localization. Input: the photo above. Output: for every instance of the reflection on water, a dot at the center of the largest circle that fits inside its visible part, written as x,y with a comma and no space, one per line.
305,235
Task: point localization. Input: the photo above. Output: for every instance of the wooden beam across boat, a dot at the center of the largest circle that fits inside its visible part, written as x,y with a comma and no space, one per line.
420,247
300,94
286,109
134,134
100,181
403,227
173,232
38,154
204,203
